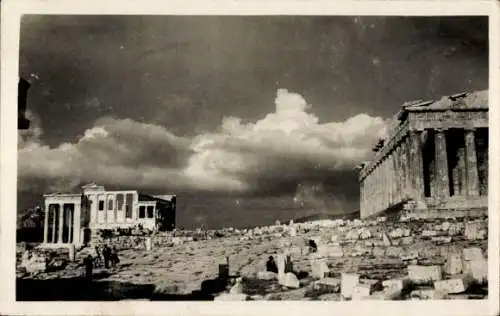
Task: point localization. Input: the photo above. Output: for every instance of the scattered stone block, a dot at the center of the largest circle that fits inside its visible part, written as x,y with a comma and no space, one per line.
427,294
409,255
441,239
453,264
361,292
71,252
473,230
401,283
331,251
378,252
396,233
34,266
348,282
429,233
406,240
477,269
445,226
458,284
381,219
319,268
473,253
389,293
289,280
455,229
231,297
267,275
330,285
374,285
424,274
394,252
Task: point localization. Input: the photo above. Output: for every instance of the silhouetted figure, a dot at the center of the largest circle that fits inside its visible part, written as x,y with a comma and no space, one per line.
106,253
98,257
288,264
271,265
114,257
312,245
89,265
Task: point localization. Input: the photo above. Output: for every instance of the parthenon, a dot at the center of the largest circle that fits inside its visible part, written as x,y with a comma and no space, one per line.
434,160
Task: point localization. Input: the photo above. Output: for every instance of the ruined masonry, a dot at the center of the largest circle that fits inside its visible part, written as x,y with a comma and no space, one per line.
434,162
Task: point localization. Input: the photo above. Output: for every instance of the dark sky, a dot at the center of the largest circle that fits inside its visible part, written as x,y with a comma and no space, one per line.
237,115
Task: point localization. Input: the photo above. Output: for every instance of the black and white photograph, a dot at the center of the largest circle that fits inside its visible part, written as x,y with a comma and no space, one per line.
247,157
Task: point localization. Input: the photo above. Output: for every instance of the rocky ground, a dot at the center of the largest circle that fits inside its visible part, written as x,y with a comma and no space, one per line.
375,259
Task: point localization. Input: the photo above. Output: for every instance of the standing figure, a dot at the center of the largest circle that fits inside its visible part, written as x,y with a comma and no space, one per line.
89,264
271,265
98,257
114,257
312,245
106,253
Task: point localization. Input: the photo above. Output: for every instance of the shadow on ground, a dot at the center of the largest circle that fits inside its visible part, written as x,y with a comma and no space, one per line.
81,289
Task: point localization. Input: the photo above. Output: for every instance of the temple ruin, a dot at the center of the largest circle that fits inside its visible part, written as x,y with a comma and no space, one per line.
433,162
72,218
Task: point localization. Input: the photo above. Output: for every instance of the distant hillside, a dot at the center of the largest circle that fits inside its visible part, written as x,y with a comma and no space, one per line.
319,216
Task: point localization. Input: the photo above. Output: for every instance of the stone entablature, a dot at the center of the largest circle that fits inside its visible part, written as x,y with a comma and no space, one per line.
435,150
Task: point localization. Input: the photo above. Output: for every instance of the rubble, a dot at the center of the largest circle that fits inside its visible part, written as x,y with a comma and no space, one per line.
329,285
458,284
348,282
319,268
231,297
289,280
478,269
267,275
424,274
473,253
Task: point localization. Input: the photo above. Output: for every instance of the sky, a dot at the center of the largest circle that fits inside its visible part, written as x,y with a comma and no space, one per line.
248,119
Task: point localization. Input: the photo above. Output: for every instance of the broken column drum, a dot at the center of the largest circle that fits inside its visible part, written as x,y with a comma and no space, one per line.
434,160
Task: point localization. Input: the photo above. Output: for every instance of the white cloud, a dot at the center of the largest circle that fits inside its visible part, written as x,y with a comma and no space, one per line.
287,143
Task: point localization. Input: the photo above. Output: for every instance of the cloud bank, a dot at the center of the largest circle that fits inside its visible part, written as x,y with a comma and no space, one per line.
285,147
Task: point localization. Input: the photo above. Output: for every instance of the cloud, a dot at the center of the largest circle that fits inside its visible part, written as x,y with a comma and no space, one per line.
288,145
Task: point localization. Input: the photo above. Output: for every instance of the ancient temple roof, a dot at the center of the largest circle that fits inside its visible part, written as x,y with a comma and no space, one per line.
459,101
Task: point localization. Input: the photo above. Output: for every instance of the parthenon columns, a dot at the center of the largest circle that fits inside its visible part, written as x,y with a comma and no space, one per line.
416,166
442,178
471,164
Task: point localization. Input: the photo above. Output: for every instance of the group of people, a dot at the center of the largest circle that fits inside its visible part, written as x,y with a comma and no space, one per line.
106,256
109,256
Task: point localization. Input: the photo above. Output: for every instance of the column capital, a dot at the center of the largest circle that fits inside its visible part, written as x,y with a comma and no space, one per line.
440,130
469,129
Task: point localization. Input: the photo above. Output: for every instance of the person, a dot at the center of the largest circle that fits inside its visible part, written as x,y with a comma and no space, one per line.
271,265
114,257
106,253
312,245
98,258
89,264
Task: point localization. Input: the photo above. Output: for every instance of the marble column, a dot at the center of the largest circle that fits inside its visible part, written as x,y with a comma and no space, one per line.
70,225
471,164
417,166
402,169
46,225
394,174
54,219
462,172
61,223
442,178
